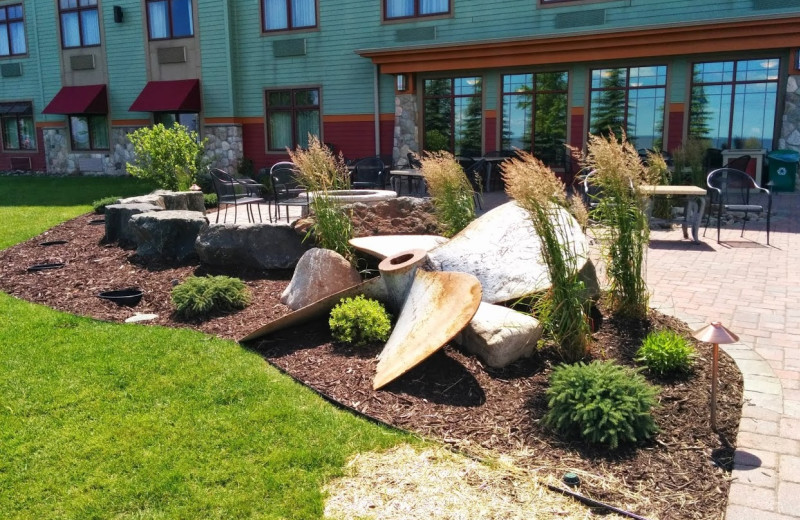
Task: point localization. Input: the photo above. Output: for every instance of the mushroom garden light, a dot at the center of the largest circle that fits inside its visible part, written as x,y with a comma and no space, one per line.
717,334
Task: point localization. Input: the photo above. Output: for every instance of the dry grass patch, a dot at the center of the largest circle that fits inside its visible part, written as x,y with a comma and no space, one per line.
407,483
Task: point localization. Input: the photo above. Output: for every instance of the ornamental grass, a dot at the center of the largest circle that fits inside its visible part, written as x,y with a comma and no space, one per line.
620,210
450,191
563,310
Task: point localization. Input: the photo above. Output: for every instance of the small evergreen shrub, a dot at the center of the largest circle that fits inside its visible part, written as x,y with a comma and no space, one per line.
200,296
100,204
359,321
210,200
603,403
666,353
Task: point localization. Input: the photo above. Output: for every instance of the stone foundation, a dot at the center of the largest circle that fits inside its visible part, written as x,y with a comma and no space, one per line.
406,132
790,127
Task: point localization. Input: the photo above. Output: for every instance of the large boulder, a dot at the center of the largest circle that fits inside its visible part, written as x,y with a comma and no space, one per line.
170,200
169,235
499,335
503,251
259,245
118,218
319,273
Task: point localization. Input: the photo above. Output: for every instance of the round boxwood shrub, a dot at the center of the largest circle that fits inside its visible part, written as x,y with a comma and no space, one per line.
200,296
666,353
359,321
602,402
99,205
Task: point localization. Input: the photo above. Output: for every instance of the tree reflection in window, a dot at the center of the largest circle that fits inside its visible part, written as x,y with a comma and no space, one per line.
453,115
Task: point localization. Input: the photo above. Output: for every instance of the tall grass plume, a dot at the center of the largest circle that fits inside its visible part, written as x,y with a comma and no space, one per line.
450,191
563,310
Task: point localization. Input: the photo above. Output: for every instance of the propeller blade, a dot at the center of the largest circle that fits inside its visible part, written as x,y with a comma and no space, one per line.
373,288
438,306
384,246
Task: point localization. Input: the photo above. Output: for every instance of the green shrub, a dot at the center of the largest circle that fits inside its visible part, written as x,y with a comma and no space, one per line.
602,402
169,157
210,200
201,296
100,204
666,353
359,321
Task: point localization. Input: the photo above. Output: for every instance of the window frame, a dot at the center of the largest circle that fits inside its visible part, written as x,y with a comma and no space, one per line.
417,13
7,22
734,83
91,147
289,27
171,27
534,93
28,114
627,89
78,10
292,109
452,101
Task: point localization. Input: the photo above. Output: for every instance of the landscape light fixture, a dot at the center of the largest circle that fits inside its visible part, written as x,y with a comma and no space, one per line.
717,334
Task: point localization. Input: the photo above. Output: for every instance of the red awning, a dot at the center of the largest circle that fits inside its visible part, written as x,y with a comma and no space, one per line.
169,96
88,99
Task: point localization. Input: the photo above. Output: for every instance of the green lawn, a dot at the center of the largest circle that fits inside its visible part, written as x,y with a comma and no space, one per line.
101,420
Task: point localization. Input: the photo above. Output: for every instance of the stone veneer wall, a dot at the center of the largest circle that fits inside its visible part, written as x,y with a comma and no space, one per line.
406,131
790,124
224,150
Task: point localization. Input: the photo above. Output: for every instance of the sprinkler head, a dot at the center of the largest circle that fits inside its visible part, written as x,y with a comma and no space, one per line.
571,479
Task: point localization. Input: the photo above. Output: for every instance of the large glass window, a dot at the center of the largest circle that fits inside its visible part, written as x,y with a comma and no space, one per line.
535,115
89,132
168,19
80,24
12,31
18,130
414,8
292,115
733,102
453,115
280,15
630,99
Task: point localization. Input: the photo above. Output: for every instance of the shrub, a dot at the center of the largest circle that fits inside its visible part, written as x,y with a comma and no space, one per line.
201,296
169,157
100,204
451,192
602,402
359,321
563,310
210,200
664,352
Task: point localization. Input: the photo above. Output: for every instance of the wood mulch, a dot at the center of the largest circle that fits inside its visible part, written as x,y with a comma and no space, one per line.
452,397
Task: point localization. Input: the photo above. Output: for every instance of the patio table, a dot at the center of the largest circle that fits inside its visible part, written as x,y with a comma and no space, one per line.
410,175
490,165
695,203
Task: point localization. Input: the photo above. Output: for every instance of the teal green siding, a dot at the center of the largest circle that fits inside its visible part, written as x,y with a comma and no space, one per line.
125,52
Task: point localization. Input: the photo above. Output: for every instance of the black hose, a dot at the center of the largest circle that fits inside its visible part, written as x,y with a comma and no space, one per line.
595,503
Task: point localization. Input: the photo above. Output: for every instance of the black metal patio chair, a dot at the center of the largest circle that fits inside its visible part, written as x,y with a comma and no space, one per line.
734,193
287,189
369,173
233,191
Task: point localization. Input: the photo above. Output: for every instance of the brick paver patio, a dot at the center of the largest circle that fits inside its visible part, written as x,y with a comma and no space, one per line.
754,290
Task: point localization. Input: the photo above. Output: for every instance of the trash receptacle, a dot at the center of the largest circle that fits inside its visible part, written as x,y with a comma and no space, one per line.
783,169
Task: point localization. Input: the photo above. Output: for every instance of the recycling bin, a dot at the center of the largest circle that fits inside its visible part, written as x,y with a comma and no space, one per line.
783,169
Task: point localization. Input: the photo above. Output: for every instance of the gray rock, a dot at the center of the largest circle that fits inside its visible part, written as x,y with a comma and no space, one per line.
171,200
256,246
170,235
118,218
499,335
502,250
319,273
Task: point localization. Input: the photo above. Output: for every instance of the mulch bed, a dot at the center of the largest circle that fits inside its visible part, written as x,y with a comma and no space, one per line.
452,397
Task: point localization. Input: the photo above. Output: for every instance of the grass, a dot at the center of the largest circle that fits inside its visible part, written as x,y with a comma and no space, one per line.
102,420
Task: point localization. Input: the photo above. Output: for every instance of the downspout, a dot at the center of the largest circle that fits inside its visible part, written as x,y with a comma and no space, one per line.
376,99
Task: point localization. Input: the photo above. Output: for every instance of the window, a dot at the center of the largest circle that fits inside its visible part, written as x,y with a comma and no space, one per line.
80,24
291,116
187,119
280,15
167,19
12,31
733,103
89,132
18,130
414,8
453,115
535,115
630,99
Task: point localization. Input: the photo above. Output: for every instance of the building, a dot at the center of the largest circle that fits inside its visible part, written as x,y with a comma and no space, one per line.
387,77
